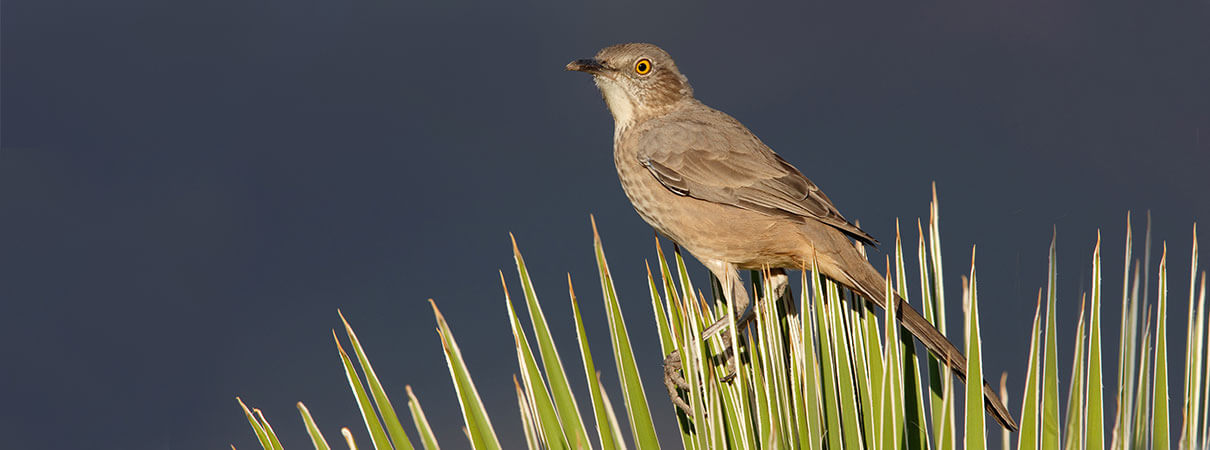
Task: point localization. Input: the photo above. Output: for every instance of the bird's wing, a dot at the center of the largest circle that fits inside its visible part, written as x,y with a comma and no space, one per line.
717,159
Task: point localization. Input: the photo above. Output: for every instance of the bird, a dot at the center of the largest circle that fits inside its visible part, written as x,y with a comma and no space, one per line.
699,177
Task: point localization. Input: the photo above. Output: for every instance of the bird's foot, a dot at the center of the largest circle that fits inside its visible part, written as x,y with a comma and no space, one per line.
729,359
729,351
674,380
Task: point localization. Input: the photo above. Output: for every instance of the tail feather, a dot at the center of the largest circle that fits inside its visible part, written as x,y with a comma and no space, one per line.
945,350
937,343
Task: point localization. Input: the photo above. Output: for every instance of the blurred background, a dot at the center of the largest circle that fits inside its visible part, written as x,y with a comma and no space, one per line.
190,190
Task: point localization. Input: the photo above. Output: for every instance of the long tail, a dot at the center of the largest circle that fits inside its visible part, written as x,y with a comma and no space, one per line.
942,348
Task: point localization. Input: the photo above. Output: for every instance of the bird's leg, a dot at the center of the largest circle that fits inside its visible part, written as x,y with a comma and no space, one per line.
779,284
733,290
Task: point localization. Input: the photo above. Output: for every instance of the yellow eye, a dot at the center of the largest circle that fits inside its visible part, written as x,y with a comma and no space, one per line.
643,67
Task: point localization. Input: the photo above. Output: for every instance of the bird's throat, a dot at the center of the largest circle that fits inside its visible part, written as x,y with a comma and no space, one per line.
620,104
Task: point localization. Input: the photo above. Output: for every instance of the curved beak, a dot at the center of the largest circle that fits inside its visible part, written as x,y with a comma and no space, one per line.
590,65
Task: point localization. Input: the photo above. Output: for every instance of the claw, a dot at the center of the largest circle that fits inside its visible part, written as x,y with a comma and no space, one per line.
674,380
730,361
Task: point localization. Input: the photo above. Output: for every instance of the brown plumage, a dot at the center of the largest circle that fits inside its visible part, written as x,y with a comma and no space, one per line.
699,177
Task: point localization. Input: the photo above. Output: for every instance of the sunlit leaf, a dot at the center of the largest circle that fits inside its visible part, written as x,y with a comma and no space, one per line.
1094,422
479,428
1050,369
976,438
257,427
427,438
552,364
377,434
638,413
1160,434
382,403
317,438
1074,431
1027,437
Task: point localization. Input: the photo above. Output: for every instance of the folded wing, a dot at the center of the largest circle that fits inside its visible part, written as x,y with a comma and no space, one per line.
719,160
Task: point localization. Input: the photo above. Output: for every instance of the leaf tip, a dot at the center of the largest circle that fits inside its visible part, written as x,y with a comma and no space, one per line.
346,322
437,312
504,285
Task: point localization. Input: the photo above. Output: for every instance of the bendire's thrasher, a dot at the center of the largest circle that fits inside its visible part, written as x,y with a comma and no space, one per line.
699,177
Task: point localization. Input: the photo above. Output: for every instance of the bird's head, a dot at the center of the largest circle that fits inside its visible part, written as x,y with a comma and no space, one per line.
638,81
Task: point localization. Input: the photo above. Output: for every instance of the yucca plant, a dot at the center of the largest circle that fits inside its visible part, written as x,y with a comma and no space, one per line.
817,369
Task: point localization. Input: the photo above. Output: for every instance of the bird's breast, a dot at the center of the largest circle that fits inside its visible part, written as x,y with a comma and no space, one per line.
642,189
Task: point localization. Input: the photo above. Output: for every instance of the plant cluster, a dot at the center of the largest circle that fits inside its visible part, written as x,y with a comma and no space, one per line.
820,369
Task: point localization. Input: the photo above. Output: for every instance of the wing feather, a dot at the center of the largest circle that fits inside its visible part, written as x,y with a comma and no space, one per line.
717,159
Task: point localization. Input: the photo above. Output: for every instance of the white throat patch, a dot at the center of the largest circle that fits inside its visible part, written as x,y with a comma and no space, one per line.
619,103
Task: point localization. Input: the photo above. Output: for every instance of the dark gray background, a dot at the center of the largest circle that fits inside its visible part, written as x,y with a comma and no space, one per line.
189,190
